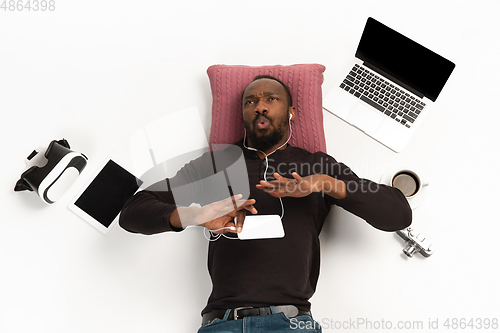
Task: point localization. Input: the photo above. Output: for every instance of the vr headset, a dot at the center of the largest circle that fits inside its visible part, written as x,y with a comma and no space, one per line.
50,181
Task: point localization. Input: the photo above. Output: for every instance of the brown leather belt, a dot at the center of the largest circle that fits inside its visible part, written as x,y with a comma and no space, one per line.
289,310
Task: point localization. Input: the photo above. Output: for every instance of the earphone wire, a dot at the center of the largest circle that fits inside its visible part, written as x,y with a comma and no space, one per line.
214,237
266,155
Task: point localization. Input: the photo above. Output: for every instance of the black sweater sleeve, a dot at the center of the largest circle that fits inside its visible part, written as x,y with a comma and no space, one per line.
384,207
147,212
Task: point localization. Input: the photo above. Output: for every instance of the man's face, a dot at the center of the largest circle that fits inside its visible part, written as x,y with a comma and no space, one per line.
265,113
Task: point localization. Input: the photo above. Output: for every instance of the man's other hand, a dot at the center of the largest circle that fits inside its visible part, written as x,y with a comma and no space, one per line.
303,186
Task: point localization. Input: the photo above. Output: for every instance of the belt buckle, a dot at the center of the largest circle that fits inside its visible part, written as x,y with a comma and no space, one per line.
235,311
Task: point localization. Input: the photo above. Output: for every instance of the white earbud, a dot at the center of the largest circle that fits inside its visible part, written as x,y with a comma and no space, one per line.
290,117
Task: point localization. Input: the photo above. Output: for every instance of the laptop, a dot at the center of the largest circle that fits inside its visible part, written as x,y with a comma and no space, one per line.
389,87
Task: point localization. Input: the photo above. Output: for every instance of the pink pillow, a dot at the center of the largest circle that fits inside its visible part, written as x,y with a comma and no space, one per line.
229,81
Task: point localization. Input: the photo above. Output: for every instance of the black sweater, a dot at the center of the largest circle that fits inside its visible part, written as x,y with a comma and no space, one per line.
267,271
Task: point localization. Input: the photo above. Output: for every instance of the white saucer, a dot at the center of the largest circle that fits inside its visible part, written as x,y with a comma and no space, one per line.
414,201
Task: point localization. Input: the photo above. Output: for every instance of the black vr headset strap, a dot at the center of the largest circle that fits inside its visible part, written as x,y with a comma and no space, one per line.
23,185
54,153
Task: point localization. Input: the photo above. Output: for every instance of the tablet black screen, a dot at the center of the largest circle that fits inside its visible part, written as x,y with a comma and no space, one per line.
106,195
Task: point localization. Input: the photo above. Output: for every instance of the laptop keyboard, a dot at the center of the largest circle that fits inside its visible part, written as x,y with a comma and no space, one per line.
383,95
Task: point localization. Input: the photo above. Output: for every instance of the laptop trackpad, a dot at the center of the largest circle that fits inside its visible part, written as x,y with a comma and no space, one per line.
365,118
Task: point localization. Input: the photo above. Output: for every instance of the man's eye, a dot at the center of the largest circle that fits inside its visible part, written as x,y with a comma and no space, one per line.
248,102
273,98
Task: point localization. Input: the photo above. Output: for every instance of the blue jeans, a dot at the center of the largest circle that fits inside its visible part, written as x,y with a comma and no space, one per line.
275,322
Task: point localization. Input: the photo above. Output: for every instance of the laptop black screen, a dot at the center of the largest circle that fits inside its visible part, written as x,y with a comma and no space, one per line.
406,62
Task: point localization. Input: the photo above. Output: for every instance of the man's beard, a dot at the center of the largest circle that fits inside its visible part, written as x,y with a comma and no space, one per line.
266,141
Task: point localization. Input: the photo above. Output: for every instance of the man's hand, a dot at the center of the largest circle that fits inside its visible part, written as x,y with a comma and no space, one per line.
215,216
221,214
303,186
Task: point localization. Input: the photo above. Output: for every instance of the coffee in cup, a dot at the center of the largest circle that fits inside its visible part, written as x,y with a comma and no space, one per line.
407,182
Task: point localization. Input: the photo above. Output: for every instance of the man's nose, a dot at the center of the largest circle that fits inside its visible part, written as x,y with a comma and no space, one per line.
260,107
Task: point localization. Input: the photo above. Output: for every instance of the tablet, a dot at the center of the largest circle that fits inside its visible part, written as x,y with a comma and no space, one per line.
102,198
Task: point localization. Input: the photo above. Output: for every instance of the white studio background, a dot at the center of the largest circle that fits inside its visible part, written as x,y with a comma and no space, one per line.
94,72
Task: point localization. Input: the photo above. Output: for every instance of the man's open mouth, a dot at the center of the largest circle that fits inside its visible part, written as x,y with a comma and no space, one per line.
262,123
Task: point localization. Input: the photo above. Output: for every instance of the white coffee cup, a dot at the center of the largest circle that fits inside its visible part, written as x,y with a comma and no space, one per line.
408,182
